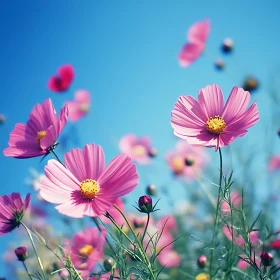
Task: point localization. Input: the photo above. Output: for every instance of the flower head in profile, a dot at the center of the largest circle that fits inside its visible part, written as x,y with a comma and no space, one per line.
84,186
211,123
63,80
38,136
12,209
138,148
80,106
197,36
187,161
86,250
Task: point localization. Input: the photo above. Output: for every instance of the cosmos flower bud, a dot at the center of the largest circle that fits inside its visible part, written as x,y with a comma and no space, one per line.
152,152
227,45
2,118
21,253
189,162
250,84
108,264
266,259
151,190
219,64
202,261
145,204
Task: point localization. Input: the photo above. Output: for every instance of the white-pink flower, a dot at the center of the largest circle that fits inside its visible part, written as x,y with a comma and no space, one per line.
80,106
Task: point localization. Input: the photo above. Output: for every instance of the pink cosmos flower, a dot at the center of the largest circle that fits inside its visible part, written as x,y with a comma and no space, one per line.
63,80
87,250
208,122
37,137
168,222
274,163
80,106
139,149
187,160
84,187
197,36
12,209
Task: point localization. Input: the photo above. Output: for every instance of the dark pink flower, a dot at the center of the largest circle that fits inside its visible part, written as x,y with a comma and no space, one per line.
12,209
275,244
136,148
63,80
80,106
39,134
87,250
211,123
197,36
84,186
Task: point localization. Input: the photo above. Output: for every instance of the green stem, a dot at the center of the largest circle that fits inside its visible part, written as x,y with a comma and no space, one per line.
216,215
27,270
107,240
141,249
52,150
35,250
145,230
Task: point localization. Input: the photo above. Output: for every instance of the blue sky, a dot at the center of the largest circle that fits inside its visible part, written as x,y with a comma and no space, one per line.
125,54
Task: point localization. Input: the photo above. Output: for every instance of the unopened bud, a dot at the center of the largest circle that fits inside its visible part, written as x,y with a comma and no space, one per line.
151,190
145,204
266,259
202,261
250,84
21,253
152,152
108,264
219,64
227,45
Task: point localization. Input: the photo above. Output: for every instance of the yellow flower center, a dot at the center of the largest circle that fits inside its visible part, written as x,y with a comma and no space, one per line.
40,135
202,276
84,108
86,250
178,164
216,125
89,188
139,150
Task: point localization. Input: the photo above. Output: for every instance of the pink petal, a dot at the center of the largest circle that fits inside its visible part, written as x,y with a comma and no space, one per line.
75,112
169,258
190,53
66,73
211,100
119,177
82,97
199,31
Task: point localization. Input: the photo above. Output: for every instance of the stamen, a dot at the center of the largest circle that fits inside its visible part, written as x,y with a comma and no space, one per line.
40,135
216,125
89,188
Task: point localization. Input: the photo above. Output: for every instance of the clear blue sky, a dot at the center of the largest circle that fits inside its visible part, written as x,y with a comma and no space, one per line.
125,54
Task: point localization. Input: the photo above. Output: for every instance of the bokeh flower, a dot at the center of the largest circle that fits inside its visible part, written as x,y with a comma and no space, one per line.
197,36
12,209
62,81
274,163
84,187
235,199
208,122
37,137
80,106
137,148
87,249
187,161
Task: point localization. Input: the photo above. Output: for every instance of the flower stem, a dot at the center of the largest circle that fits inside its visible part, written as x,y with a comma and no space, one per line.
52,150
35,250
141,249
107,240
27,270
145,230
216,219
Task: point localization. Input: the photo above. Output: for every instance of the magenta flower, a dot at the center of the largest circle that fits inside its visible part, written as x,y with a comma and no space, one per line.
139,149
208,122
187,161
197,36
38,136
12,209
80,106
62,81
84,187
87,250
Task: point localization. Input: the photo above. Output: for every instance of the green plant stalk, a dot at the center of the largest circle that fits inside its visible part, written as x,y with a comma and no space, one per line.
35,250
141,249
54,153
145,230
27,270
216,215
